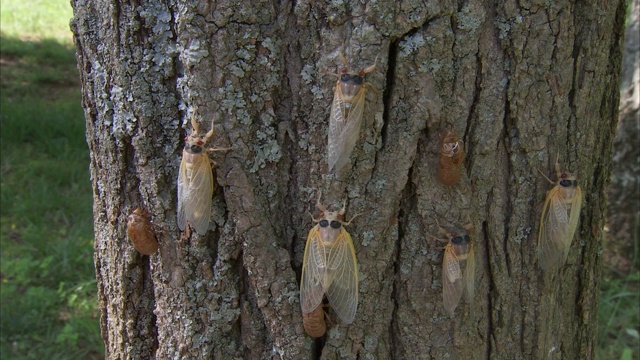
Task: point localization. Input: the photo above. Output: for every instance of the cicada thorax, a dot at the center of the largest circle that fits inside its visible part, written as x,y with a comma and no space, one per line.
140,232
568,187
350,85
314,323
460,246
451,158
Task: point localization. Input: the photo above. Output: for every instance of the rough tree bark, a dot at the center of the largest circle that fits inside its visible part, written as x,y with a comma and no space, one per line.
520,81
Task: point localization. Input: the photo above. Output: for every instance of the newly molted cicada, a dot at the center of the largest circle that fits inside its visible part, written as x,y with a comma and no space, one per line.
451,157
559,219
314,323
458,268
140,232
346,115
195,181
330,267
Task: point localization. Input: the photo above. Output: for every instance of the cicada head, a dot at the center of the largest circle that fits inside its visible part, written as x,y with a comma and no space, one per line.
351,83
567,180
451,145
461,244
194,143
330,222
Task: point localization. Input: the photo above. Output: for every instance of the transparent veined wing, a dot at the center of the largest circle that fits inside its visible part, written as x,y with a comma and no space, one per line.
183,190
554,224
344,128
343,290
452,286
313,272
469,275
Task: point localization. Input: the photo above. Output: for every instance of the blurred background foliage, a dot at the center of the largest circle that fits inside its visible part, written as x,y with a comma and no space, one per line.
48,295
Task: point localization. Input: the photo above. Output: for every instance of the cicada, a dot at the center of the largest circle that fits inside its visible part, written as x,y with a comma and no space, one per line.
195,181
330,267
559,219
140,232
451,157
346,115
314,323
458,268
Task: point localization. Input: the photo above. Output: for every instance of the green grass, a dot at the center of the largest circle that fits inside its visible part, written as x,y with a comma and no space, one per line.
48,295
619,313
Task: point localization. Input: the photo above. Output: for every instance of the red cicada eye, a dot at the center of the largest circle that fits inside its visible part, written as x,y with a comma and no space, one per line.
453,234
564,176
200,142
361,73
186,137
344,69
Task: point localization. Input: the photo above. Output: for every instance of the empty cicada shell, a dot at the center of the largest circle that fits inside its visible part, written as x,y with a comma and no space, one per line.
195,181
451,157
458,268
140,232
314,323
559,220
330,267
346,115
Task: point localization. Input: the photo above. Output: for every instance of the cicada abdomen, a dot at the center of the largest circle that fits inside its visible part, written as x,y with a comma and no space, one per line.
314,323
559,220
330,267
140,232
195,181
458,268
346,115
451,157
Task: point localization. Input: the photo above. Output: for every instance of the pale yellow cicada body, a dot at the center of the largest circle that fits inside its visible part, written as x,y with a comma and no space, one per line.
330,267
458,268
559,220
346,115
195,181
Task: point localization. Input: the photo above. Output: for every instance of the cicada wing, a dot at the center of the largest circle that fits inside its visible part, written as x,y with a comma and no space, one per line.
343,290
452,286
199,195
344,128
574,217
469,275
313,272
183,190
553,228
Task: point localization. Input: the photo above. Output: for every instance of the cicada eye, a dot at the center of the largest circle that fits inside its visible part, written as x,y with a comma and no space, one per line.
186,137
344,69
457,240
200,142
564,176
324,223
335,224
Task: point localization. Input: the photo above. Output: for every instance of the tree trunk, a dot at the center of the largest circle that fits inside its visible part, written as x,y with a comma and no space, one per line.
519,82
